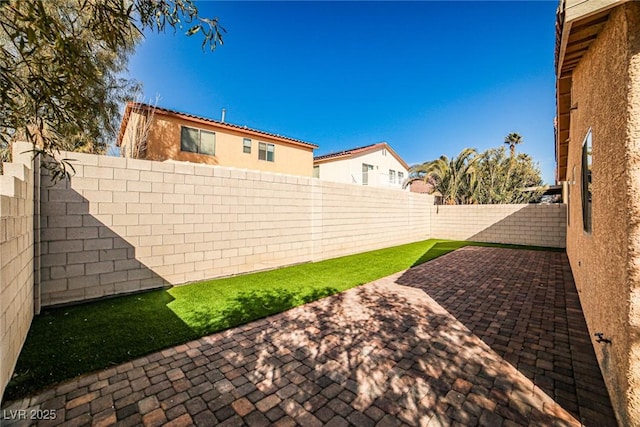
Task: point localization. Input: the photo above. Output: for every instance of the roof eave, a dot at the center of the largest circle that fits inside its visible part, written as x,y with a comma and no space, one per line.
572,17
211,122
360,151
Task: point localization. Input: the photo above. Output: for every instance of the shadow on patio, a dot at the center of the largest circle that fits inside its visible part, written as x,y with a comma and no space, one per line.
524,305
479,336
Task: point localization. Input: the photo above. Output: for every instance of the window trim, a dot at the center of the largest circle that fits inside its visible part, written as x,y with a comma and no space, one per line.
199,142
368,169
571,184
392,176
266,151
586,182
245,146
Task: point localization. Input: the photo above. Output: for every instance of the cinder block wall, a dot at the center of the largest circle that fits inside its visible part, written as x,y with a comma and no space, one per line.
535,225
16,258
122,225
352,217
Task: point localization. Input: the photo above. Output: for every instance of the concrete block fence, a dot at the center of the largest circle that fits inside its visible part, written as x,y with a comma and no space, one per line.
524,224
124,225
16,258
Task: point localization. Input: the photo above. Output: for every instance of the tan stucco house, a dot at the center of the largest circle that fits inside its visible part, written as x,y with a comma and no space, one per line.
172,135
598,160
375,165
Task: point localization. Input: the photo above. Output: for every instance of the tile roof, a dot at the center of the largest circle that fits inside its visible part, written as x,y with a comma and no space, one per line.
142,106
346,152
358,150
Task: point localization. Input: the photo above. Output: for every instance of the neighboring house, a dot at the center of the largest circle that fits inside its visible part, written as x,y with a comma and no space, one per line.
598,159
376,165
418,185
179,136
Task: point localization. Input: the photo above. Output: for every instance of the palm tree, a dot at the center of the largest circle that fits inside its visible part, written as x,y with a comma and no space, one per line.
454,178
512,140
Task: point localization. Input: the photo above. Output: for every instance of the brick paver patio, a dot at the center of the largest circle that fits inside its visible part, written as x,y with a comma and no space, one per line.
481,336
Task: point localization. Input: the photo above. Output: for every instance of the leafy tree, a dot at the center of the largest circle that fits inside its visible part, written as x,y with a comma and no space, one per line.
487,178
60,66
512,140
503,179
454,178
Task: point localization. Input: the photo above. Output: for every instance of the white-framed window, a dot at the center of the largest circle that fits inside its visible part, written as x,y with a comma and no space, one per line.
586,182
400,177
392,176
266,152
571,184
198,141
365,173
316,171
246,145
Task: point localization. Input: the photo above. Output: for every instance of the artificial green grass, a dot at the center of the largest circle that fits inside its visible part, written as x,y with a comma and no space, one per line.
65,342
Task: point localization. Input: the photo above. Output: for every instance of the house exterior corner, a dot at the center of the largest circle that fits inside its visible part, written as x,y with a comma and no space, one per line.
598,155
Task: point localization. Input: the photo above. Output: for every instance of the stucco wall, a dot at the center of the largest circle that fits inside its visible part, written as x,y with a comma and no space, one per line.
16,258
604,261
535,225
633,165
121,225
164,143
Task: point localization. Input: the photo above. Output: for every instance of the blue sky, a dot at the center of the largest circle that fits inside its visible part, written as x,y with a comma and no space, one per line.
429,78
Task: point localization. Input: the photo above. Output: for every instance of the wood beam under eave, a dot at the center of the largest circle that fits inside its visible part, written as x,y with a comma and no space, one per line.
575,55
566,72
562,149
561,175
587,39
562,167
572,63
563,120
590,22
572,32
578,47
